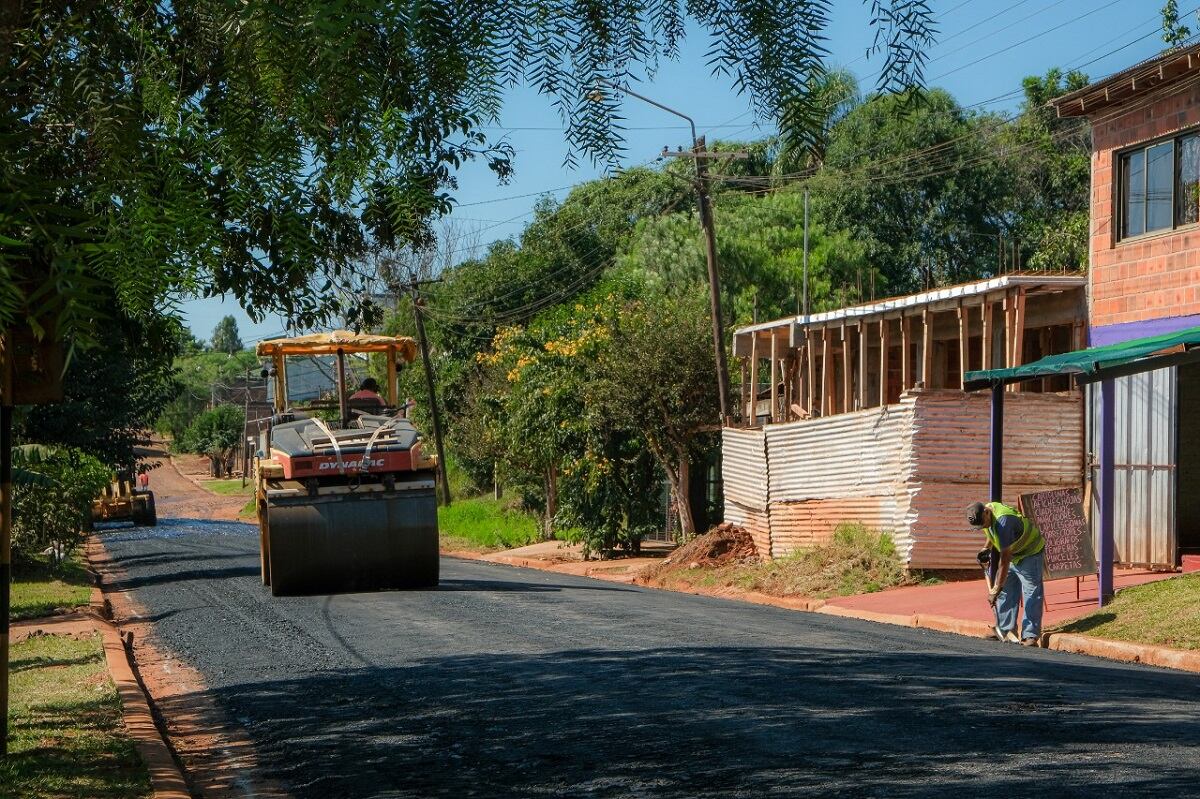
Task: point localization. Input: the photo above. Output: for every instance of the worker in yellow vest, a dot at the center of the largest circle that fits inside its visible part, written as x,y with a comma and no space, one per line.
1019,576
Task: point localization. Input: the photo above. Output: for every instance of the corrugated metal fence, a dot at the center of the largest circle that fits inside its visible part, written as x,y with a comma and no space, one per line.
909,469
1145,465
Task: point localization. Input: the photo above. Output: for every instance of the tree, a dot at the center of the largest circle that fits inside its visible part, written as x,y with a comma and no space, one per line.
1174,32
225,336
761,249
216,434
1050,168
654,378
197,377
259,150
920,185
113,392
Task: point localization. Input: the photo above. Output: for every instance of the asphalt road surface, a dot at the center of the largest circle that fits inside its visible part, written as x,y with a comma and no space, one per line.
512,682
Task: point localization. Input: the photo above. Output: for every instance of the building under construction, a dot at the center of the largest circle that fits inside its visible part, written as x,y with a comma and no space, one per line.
858,415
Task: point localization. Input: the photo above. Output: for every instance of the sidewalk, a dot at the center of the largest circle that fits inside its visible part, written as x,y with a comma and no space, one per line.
967,600
568,559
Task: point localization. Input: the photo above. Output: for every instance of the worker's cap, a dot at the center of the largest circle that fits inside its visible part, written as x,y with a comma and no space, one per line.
975,514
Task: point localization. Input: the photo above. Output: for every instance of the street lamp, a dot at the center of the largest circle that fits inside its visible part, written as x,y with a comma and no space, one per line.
699,154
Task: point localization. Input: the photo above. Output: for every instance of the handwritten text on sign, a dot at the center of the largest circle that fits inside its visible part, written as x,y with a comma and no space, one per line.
1059,515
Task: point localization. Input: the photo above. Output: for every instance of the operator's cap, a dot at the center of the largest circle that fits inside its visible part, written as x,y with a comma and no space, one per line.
975,514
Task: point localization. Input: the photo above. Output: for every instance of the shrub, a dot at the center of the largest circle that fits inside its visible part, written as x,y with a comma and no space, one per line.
53,489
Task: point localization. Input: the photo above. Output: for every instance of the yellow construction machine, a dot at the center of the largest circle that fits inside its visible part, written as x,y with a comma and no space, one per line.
121,501
345,489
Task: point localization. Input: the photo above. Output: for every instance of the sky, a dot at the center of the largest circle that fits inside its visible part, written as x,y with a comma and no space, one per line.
983,50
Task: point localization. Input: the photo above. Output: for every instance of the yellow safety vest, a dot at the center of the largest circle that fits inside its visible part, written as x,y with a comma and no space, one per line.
1030,542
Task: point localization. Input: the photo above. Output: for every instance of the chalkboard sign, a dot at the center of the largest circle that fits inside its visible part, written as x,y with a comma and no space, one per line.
1059,515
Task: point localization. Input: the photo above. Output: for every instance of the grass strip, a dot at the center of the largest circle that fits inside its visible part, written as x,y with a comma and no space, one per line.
67,736
485,523
39,591
1163,613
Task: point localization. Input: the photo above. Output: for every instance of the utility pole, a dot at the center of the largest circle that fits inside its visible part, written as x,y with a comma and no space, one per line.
700,154
806,254
414,290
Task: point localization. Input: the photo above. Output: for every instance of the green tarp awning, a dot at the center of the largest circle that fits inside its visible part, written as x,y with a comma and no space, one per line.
1087,362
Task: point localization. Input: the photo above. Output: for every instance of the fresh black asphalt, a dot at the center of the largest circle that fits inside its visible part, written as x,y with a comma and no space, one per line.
514,682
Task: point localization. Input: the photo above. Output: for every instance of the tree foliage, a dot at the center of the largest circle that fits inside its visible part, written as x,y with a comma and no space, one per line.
258,148
52,501
216,434
225,336
113,392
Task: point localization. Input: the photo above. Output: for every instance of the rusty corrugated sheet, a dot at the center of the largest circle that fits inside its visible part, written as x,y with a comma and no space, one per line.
940,536
845,455
909,469
797,525
744,469
1043,435
948,458
825,472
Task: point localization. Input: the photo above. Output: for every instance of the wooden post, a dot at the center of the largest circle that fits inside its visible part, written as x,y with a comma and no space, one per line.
801,380
906,364
826,373
753,412
863,349
1018,333
927,347
810,395
1009,313
774,417
847,383
1044,344
745,388
964,341
987,333
884,351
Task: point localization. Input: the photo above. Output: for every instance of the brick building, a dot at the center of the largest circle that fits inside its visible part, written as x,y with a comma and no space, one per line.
1144,280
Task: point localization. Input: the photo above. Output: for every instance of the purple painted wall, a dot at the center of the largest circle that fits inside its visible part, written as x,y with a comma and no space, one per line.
1114,334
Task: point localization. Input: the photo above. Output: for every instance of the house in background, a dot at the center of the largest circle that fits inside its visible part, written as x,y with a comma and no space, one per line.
858,415
1144,280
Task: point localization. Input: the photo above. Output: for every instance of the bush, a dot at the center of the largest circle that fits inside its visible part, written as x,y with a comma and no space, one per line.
217,434
53,489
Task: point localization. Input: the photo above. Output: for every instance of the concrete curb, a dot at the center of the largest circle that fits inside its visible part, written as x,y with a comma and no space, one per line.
1162,656
166,779
1063,642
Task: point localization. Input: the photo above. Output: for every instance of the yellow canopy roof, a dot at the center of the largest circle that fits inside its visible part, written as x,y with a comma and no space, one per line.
330,343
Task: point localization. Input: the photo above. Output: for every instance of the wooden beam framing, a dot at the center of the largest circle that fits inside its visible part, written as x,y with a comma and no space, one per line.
906,364
1018,351
987,333
810,396
1044,342
884,360
863,350
752,414
826,372
774,417
745,392
964,344
927,348
847,365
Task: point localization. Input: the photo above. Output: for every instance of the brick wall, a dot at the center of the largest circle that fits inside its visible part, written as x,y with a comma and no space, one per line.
1153,276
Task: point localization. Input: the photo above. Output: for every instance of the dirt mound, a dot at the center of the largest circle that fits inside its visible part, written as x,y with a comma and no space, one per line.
723,545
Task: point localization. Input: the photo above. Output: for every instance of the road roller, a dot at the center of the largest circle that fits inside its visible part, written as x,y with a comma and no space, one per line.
345,490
